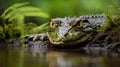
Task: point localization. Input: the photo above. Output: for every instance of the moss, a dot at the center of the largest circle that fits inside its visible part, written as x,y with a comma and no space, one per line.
29,27
53,34
2,35
12,21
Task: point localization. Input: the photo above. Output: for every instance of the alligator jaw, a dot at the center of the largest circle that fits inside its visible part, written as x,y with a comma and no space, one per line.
61,43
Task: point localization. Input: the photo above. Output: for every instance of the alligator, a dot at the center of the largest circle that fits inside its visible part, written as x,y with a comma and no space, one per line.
71,30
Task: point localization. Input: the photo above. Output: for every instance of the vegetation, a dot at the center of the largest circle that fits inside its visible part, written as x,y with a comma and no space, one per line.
13,24
109,34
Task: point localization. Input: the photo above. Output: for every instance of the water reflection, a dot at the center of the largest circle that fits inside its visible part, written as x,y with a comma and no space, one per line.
72,60
44,57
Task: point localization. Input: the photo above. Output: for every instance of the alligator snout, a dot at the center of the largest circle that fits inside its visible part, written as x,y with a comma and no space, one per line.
63,31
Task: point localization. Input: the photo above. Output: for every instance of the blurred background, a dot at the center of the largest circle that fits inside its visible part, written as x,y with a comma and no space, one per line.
61,8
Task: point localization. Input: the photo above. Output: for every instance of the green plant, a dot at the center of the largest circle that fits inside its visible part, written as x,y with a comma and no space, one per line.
113,18
41,29
15,15
29,27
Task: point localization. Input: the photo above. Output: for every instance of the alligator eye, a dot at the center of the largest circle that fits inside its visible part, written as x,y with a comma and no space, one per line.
79,25
53,24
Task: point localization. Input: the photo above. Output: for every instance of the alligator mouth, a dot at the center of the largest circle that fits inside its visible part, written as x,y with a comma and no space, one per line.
61,42
55,42
68,43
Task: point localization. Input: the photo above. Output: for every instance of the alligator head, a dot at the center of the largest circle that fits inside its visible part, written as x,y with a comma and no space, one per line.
76,30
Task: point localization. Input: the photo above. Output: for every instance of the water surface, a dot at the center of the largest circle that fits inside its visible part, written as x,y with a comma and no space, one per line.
44,57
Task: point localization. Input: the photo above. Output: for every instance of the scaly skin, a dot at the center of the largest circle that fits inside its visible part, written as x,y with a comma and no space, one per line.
71,31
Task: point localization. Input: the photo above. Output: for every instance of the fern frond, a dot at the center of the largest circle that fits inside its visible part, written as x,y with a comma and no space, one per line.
29,9
41,28
11,14
20,9
16,6
40,14
12,18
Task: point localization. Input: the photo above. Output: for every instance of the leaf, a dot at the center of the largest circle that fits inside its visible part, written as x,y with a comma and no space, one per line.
40,28
40,14
11,14
28,9
15,6
20,8
15,17
17,10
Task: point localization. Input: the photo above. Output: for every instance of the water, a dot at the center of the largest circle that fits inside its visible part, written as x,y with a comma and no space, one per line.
44,57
